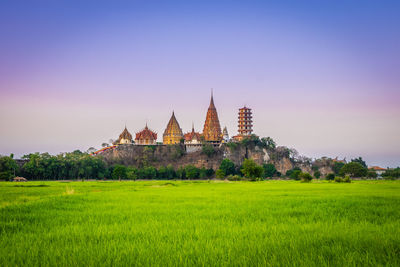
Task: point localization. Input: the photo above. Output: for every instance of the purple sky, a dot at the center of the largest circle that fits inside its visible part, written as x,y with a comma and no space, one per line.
322,78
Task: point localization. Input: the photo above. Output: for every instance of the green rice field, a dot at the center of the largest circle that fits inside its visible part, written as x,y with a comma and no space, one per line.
200,223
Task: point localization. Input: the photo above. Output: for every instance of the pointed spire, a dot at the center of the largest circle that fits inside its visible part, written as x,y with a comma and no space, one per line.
192,127
212,99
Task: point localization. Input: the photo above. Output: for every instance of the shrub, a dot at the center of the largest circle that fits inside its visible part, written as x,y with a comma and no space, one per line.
131,173
346,179
391,174
293,173
269,170
338,179
330,176
227,166
337,166
192,172
234,177
251,170
220,174
317,174
305,176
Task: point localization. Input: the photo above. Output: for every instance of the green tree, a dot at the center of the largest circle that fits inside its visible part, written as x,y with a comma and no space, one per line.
227,167
268,142
361,161
208,150
251,170
337,166
392,173
353,169
269,170
305,176
119,172
317,174
8,167
330,176
192,172
220,174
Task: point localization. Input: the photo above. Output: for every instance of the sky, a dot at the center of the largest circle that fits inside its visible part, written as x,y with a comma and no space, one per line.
322,77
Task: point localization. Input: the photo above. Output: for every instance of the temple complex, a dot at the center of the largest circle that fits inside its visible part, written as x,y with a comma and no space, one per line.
193,140
245,123
212,129
146,137
173,133
125,137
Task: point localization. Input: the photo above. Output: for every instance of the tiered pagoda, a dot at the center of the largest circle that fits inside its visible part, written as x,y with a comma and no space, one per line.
146,137
245,123
125,137
173,133
212,129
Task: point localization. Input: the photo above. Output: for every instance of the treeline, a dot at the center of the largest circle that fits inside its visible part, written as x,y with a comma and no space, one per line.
78,165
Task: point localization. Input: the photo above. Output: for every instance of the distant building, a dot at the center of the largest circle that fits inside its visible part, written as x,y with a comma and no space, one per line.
245,123
124,138
193,141
212,129
173,132
378,170
146,137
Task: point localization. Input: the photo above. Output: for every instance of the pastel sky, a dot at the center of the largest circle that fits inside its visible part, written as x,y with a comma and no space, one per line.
321,76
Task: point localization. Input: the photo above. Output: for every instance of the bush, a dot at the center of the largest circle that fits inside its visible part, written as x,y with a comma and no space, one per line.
337,166
192,172
317,174
251,170
220,174
346,179
228,167
305,176
269,170
330,176
338,179
391,174
234,177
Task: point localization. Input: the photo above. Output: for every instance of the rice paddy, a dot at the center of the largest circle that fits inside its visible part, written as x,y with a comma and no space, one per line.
192,223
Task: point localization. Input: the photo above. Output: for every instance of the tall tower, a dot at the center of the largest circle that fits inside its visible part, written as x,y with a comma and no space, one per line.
173,133
212,129
245,123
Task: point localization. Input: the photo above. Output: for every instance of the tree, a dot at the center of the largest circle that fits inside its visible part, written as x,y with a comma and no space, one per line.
268,142
105,145
220,174
330,176
192,172
361,161
393,173
251,170
8,167
354,169
227,167
208,150
305,176
269,170
317,174
91,150
372,174
119,172
337,166
294,173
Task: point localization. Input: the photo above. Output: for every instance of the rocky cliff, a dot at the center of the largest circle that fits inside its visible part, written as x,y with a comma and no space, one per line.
176,155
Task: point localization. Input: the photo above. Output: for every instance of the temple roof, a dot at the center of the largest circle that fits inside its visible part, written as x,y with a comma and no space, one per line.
146,133
191,135
173,128
125,135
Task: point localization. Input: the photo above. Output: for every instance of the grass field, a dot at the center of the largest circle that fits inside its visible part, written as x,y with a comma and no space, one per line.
164,223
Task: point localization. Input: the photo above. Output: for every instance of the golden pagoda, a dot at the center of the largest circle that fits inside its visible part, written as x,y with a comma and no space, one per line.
212,129
173,133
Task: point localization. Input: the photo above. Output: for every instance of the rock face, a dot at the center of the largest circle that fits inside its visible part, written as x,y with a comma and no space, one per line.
176,155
